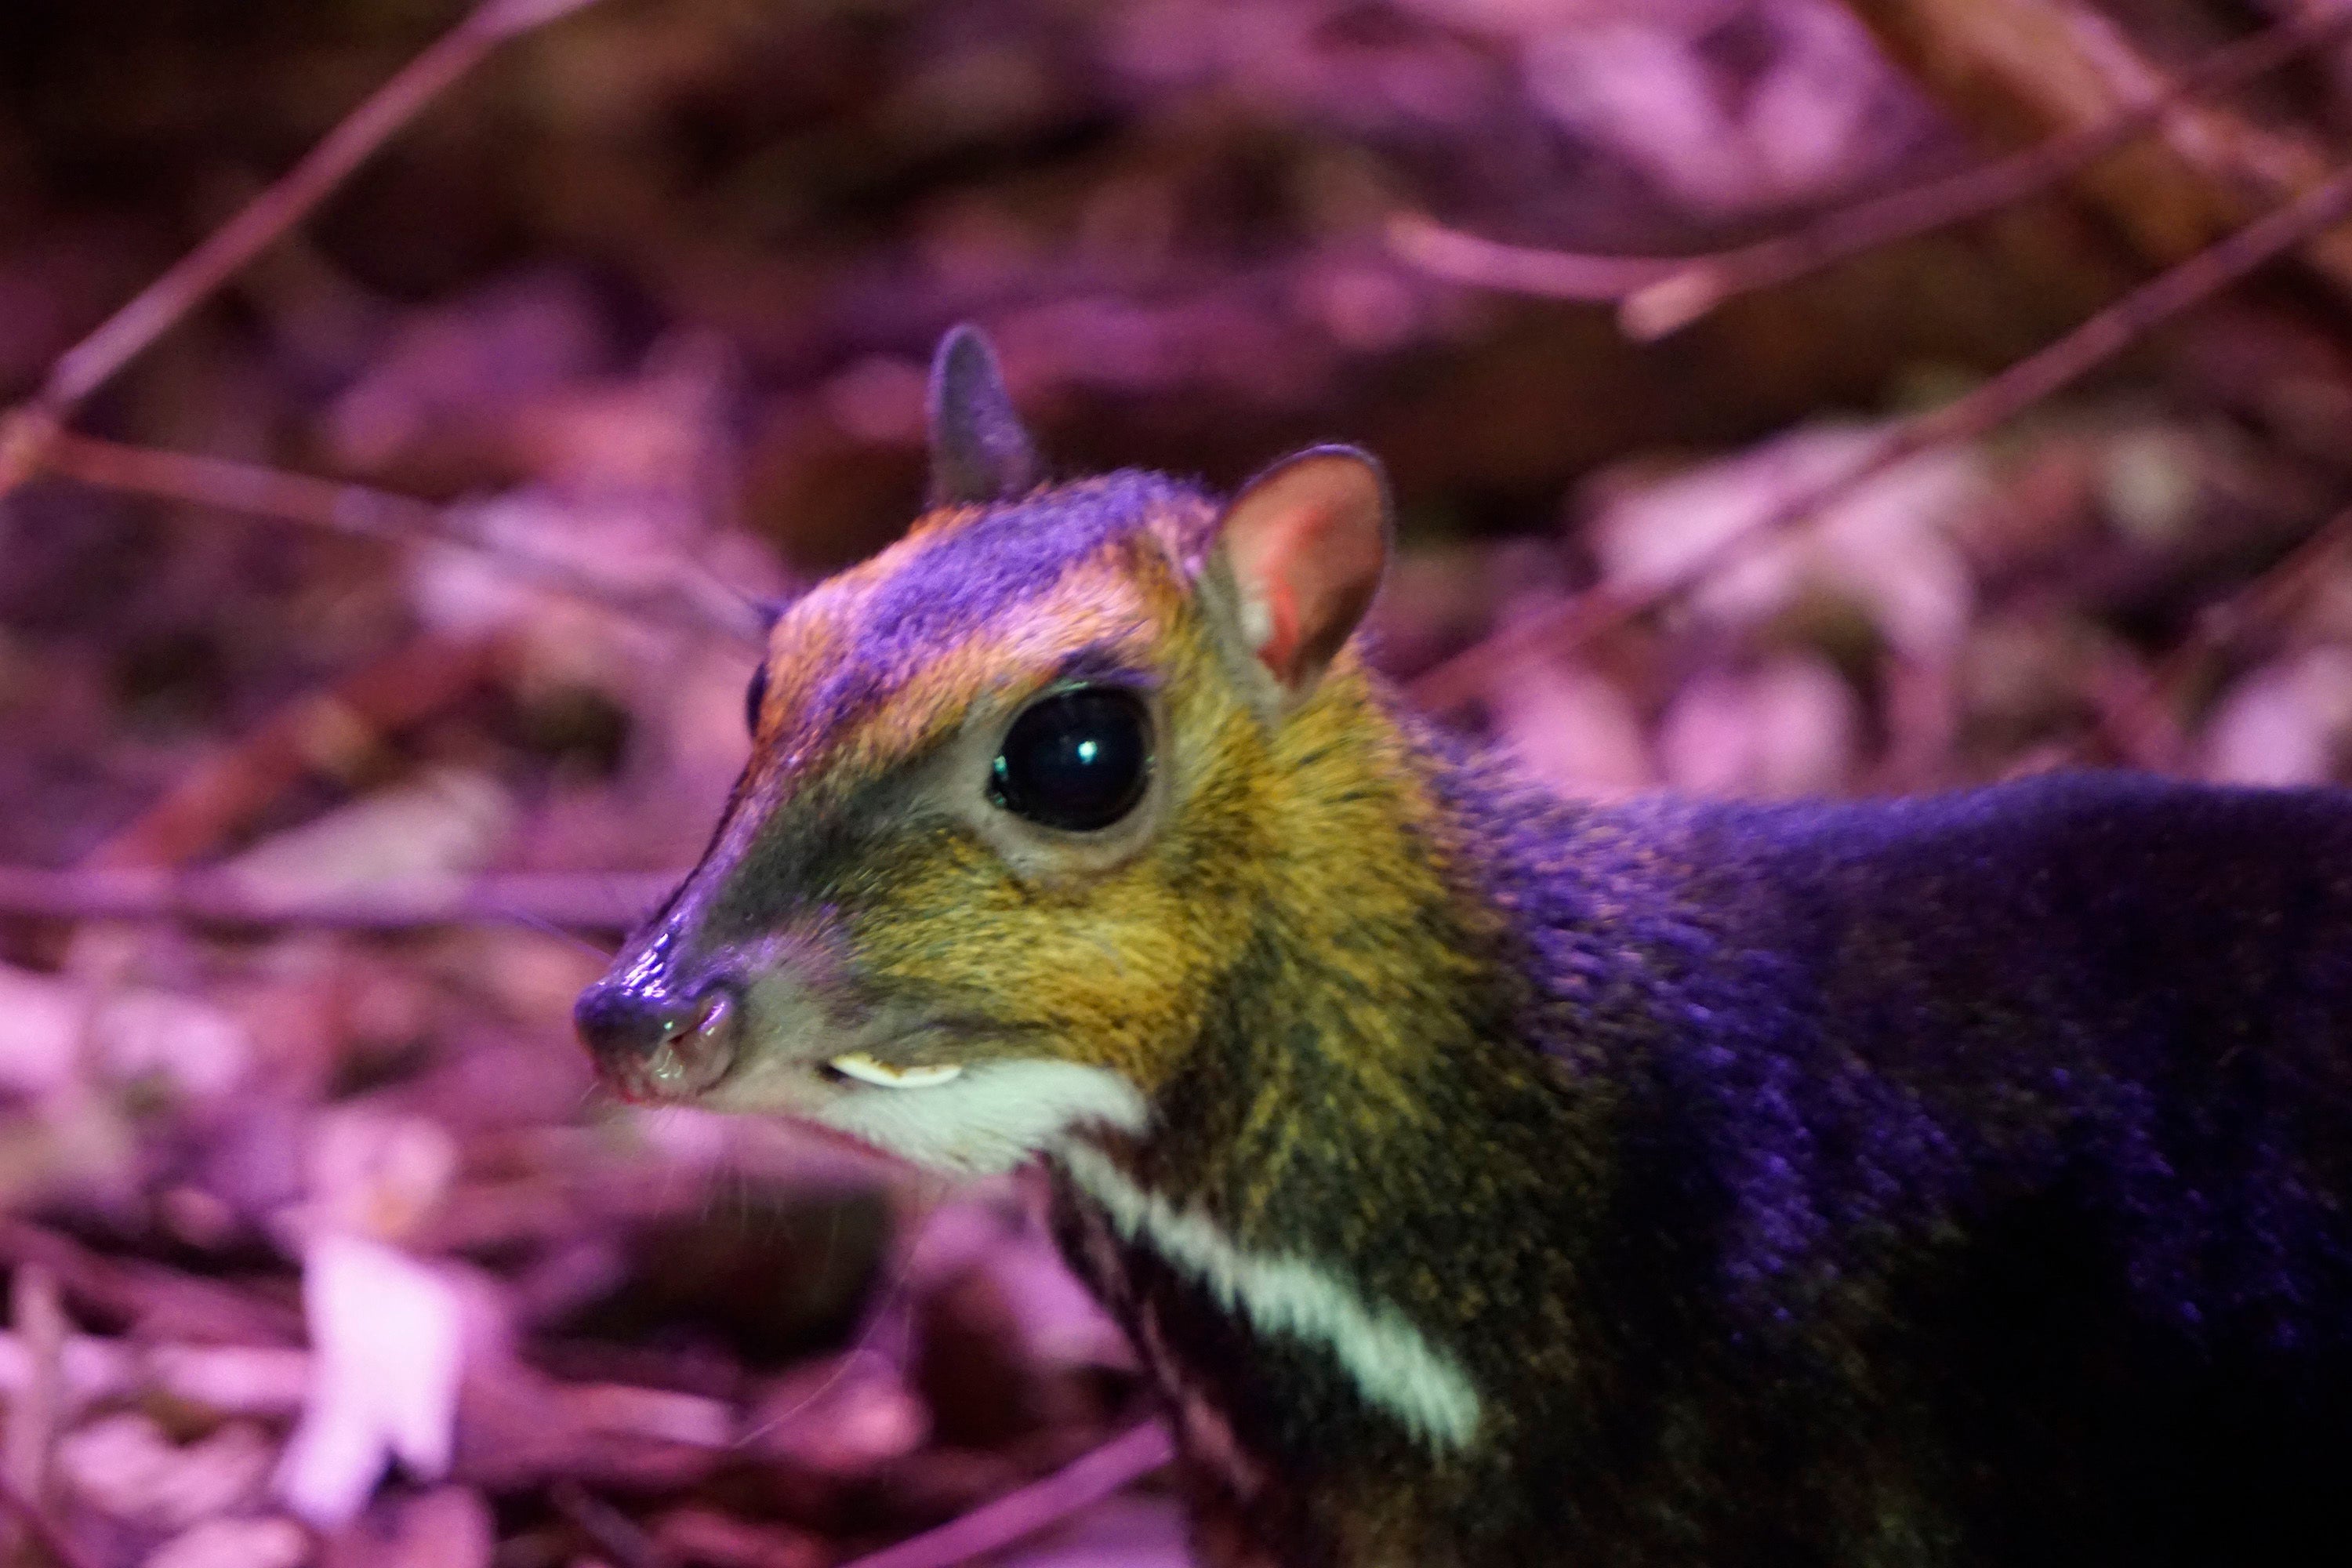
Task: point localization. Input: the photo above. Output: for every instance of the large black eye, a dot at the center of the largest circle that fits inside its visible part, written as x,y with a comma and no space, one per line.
755,697
1077,760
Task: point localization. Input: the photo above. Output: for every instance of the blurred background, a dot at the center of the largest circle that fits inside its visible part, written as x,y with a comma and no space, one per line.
321,1247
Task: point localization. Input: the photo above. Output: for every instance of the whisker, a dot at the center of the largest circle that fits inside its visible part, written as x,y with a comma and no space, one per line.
897,1293
562,934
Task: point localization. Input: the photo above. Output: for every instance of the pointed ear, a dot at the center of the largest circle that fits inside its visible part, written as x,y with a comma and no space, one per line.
1303,545
980,453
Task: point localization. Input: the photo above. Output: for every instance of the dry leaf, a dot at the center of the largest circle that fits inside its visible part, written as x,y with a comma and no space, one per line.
448,822
1887,547
2285,723
387,1340
1789,728
1574,729
40,1031
127,1467
448,1527
235,1543
158,1036
1815,120
141,1035
378,1175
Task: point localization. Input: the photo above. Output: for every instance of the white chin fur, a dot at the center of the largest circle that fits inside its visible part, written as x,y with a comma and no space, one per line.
881,1074
990,1117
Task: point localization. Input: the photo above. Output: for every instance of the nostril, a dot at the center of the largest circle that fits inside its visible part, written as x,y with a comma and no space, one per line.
658,1044
697,1047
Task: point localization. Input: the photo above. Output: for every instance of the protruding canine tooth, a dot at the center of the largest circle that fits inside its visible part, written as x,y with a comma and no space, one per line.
866,1069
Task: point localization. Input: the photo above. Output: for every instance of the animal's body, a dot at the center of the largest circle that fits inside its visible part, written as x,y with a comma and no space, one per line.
1492,1179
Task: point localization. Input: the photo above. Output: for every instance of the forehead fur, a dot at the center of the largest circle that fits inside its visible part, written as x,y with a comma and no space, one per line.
967,588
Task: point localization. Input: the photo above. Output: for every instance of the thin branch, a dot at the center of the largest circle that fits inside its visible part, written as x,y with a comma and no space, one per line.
1996,400
2137,708
158,1301
370,513
1659,295
591,900
38,1313
26,433
1083,1482
609,1530
2266,600
2130,712
338,732
87,365
34,437
1463,257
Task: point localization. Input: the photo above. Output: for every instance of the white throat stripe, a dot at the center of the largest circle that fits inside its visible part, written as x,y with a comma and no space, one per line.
1391,1364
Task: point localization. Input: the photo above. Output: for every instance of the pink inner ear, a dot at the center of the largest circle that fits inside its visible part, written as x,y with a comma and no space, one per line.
1277,647
1307,543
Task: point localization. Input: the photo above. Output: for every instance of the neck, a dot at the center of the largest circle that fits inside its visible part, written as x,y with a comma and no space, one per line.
1328,1244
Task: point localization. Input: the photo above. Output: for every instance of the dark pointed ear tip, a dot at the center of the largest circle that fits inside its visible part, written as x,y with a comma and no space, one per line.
962,348
980,453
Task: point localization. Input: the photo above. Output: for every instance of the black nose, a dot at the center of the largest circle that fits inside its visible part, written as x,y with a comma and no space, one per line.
653,1044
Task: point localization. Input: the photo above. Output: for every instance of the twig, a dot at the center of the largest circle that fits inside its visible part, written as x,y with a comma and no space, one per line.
150,1298
1008,1519
2129,711
338,732
611,1531
1463,258
2002,397
89,364
1659,295
370,513
34,437
589,900
2265,600
35,1407
2137,708
37,1525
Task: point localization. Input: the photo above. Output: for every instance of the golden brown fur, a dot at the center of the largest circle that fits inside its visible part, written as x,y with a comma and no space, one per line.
1488,1179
